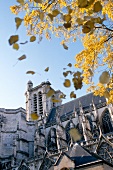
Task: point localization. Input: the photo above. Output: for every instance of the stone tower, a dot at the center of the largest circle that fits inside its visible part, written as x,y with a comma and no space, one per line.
37,100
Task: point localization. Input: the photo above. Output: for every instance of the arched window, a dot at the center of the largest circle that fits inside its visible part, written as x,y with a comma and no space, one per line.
106,122
40,104
52,140
35,103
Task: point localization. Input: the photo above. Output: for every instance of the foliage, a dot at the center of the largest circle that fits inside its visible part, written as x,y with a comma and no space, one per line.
89,20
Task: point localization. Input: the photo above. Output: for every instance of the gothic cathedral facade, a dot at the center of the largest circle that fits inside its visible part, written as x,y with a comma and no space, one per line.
46,144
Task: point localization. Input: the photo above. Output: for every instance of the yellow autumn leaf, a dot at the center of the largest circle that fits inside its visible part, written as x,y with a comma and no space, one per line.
65,74
82,3
22,57
104,77
69,9
32,38
67,83
50,93
38,1
41,16
72,95
15,46
67,17
65,46
86,29
47,69
55,12
30,72
51,16
18,22
34,116
20,2
79,21
67,25
90,24
97,7
70,65
75,134
13,39
90,2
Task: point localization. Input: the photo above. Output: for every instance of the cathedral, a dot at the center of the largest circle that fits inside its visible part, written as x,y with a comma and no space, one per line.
46,143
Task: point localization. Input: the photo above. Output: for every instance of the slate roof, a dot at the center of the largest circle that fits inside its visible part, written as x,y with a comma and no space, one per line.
67,109
81,160
80,156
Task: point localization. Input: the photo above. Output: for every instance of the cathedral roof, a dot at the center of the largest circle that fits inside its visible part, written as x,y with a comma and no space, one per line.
67,109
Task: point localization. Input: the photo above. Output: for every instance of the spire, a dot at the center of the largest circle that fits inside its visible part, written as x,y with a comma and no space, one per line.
95,110
82,121
71,127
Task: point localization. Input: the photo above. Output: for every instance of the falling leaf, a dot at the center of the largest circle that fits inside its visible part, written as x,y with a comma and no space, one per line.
50,93
75,134
13,39
18,22
38,1
67,83
77,82
70,65
104,77
41,16
47,69
79,21
67,17
30,72
82,3
69,9
32,38
15,46
86,29
72,95
65,47
65,74
67,25
90,24
22,57
34,116
55,12
97,6
21,2
77,74
51,16
24,43
64,68
55,100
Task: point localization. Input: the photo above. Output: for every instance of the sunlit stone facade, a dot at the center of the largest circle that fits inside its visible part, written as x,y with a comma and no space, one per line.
46,144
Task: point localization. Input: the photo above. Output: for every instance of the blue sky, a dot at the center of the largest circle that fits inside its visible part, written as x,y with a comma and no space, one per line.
50,54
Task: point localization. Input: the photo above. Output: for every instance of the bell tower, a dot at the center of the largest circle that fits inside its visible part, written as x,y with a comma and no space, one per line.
37,100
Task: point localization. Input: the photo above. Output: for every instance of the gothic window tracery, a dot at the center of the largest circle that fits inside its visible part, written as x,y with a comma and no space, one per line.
35,103
40,104
106,122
